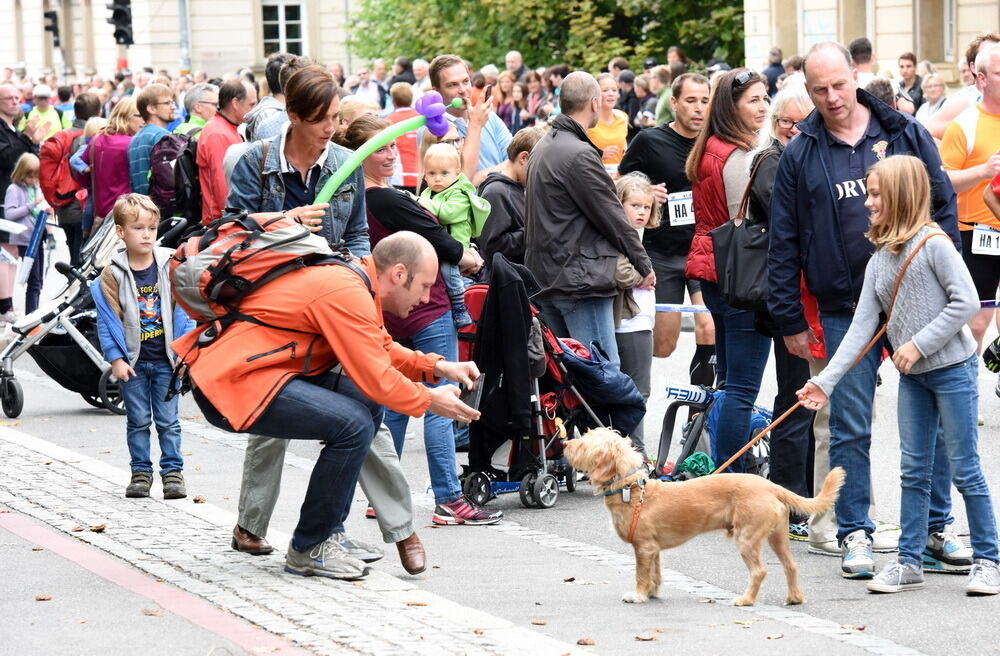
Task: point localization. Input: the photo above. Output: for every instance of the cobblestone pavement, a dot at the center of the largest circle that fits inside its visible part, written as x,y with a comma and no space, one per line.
179,542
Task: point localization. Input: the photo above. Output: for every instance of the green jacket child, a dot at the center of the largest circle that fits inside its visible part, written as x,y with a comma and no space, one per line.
458,209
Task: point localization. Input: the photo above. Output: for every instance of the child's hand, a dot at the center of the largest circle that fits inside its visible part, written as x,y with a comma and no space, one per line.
905,357
611,152
812,397
121,370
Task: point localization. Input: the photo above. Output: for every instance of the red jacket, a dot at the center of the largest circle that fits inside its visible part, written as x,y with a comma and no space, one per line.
213,142
710,209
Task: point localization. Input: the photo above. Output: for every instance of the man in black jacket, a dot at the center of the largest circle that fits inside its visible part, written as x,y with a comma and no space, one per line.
504,189
574,225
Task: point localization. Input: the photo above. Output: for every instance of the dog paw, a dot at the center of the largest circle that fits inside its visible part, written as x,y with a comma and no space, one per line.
634,598
794,601
744,601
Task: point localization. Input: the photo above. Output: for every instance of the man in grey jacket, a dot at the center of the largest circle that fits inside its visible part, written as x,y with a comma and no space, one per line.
575,228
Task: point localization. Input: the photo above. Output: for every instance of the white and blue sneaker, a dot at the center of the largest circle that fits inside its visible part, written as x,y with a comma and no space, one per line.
856,556
945,552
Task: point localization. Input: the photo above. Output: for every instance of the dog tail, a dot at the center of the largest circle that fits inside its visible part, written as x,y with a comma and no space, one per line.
822,501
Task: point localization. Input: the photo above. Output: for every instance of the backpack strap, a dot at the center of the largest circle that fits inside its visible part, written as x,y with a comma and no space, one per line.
265,148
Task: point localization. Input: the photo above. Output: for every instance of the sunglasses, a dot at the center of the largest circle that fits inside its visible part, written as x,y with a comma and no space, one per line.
742,78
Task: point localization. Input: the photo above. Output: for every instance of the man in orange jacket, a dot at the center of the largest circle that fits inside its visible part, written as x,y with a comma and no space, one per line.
317,363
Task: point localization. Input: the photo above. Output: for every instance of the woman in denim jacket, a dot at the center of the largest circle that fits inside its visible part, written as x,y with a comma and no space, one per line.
284,173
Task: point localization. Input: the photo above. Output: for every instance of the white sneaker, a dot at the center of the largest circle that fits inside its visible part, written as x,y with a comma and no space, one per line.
856,556
885,539
984,578
9,317
829,548
945,552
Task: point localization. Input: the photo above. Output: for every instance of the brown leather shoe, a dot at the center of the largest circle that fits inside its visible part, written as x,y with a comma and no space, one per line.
411,554
247,542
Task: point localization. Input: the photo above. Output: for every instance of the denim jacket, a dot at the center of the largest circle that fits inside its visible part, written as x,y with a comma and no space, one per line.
345,218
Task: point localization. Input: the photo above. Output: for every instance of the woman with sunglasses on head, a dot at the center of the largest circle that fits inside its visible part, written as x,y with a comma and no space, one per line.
790,441
718,167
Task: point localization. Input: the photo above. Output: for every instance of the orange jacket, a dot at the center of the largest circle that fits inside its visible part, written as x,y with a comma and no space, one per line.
337,321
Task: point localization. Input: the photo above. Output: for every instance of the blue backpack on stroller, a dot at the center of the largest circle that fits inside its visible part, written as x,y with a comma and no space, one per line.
699,433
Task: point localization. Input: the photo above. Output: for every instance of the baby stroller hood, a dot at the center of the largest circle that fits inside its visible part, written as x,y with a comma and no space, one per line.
611,393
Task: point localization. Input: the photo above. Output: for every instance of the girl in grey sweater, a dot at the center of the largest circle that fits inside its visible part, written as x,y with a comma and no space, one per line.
936,357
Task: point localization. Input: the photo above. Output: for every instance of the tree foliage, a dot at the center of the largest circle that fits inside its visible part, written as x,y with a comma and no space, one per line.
582,33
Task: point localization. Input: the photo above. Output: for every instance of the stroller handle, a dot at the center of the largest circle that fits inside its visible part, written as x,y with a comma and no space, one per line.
71,273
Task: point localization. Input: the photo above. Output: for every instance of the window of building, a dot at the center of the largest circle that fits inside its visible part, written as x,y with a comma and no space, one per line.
283,29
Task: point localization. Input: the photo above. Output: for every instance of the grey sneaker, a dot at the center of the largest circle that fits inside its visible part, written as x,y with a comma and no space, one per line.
173,485
856,556
327,559
897,576
358,549
984,578
139,486
945,552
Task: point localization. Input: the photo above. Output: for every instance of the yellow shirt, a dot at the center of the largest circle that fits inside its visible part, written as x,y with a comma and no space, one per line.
611,134
956,155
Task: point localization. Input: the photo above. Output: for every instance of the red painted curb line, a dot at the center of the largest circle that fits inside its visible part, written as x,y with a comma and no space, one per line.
178,602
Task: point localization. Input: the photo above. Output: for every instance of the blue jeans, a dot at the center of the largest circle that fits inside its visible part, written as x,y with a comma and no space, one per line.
584,319
143,395
331,408
947,397
741,356
439,432
851,438
36,277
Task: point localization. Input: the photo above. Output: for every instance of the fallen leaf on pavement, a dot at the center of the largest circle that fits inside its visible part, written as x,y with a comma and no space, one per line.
104,451
99,528
706,601
49,462
151,612
82,622
199,499
539,622
645,638
435,567
661,630
185,453
852,627
569,580
43,598
76,529
776,636
585,641
159,580
478,631
37,549
416,603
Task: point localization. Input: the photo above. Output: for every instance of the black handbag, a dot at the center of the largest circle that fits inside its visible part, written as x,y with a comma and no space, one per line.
741,256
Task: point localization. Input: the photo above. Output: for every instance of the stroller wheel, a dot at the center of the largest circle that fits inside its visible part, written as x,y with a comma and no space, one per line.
527,490
478,488
546,491
111,394
570,477
93,400
11,397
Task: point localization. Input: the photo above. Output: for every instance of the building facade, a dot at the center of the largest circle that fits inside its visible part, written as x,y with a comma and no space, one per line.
223,35
936,30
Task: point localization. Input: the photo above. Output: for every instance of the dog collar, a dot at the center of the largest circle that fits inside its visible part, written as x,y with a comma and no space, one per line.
640,482
619,477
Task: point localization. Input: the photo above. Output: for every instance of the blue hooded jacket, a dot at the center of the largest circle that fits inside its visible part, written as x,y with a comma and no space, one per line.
806,231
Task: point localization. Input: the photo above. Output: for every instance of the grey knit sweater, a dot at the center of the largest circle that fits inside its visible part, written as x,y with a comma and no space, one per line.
936,299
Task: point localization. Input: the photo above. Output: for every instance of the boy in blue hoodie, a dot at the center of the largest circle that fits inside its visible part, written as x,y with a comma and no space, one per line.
136,322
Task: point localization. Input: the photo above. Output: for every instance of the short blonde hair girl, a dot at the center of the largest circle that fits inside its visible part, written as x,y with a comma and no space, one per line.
905,192
94,126
118,121
27,165
638,183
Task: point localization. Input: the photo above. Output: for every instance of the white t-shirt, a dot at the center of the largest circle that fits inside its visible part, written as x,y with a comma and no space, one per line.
646,298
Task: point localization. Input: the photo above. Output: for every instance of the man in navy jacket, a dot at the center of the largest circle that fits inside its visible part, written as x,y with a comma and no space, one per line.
818,223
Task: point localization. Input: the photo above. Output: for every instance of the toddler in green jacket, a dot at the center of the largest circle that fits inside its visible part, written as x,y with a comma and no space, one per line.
452,199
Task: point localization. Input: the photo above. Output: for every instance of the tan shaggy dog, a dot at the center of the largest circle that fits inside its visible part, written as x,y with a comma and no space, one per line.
749,508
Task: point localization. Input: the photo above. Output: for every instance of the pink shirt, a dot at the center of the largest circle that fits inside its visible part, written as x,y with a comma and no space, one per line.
107,156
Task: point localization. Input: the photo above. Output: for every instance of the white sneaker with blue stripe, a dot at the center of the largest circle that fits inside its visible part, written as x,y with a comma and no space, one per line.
856,560
945,552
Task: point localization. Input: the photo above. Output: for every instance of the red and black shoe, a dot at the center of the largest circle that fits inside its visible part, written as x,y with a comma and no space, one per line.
463,511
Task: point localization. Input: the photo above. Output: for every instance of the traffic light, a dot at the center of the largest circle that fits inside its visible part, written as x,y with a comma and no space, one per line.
52,25
121,18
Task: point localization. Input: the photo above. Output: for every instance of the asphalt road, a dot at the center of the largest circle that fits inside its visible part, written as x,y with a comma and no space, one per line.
556,573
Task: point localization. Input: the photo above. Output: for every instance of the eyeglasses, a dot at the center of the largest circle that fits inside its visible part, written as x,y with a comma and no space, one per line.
166,102
742,78
786,123
457,141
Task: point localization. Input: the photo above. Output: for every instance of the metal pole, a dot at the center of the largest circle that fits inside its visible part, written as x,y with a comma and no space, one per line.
182,20
347,37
